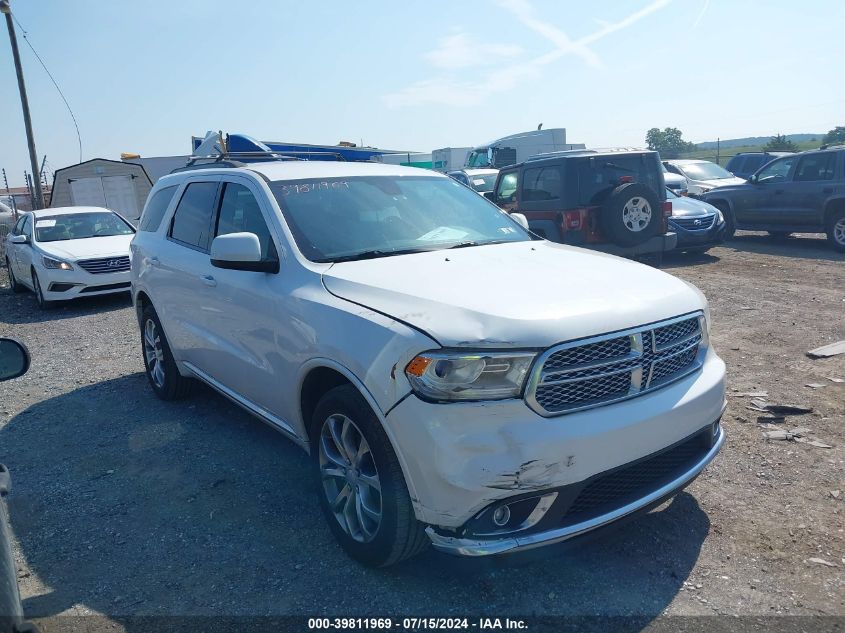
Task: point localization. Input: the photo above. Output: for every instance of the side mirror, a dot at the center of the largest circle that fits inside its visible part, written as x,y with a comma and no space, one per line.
19,239
240,251
14,359
752,179
523,221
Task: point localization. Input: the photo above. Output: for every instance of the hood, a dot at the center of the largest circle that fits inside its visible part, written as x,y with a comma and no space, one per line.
112,246
524,294
690,207
721,182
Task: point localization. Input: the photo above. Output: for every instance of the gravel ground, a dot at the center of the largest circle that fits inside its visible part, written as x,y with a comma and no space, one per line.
123,505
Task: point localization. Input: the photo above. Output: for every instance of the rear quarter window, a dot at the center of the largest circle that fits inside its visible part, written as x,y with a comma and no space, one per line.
155,209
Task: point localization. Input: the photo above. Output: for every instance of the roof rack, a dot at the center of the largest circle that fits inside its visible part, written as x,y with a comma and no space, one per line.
832,146
229,159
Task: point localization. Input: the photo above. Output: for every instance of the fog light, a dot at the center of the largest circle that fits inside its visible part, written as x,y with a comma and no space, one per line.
501,516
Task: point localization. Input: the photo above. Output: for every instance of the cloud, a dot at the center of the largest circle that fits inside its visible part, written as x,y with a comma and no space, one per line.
464,51
448,89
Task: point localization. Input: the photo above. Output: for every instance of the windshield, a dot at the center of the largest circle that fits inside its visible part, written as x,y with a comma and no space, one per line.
483,182
704,171
80,226
340,219
479,157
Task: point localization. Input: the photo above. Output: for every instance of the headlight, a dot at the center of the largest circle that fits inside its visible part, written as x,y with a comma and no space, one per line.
719,217
469,375
58,264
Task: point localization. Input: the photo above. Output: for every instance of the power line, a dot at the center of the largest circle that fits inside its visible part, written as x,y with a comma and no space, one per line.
61,94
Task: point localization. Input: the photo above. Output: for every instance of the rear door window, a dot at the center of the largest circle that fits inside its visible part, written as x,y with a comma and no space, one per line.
191,223
541,183
816,167
155,209
598,176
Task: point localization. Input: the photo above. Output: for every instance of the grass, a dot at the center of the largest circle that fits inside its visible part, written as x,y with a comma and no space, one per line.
727,153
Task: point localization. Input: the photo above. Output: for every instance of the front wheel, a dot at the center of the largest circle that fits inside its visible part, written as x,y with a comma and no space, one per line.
836,230
360,483
39,293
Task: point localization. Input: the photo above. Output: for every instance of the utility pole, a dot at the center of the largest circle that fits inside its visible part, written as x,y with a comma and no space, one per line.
38,199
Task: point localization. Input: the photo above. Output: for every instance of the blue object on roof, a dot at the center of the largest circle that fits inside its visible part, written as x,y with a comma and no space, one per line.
244,143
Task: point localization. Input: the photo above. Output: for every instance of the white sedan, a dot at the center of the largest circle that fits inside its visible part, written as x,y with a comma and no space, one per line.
68,252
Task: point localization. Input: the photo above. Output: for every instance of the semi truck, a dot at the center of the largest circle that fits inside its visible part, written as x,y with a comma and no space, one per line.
516,148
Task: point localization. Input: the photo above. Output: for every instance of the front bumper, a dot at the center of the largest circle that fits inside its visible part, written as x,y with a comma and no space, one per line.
519,542
696,238
61,285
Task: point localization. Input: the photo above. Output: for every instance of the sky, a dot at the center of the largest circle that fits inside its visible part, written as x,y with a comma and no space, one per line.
145,76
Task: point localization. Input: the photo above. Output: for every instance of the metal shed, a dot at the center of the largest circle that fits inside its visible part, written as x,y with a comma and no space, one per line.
99,182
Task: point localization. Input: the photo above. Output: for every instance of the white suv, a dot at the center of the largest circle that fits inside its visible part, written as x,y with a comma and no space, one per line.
456,379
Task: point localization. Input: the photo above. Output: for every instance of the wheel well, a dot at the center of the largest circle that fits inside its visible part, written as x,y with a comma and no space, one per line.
141,302
721,204
832,207
317,383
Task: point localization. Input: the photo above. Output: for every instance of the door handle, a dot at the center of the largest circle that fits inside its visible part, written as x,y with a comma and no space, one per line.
154,261
208,280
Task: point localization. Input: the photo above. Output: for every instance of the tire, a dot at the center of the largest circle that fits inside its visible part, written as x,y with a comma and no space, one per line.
13,281
631,215
730,225
39,293
372,480
159,366
780,235
836,229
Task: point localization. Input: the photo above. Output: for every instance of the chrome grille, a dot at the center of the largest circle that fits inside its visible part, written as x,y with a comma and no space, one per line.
704,222
106,265
594,372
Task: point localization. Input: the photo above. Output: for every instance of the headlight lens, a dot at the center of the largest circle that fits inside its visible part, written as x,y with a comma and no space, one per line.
57,264
469,375
719,217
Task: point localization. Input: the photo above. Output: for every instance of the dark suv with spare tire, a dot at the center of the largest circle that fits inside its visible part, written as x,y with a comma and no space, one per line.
608,200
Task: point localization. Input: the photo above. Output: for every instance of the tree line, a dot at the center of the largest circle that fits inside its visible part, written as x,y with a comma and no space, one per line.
670,142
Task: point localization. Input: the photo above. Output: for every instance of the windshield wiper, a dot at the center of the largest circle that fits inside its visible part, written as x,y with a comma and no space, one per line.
373,254
473,243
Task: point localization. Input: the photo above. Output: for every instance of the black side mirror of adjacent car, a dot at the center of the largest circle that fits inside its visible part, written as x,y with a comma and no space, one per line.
752,179
14,359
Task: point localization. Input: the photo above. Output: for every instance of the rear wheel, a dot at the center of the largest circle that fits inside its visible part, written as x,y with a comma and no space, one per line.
360,483
161,370
836,229
13,281
39,293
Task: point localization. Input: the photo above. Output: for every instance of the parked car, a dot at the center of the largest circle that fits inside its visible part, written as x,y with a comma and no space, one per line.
455,378
702,175
699,225
801,193
744,164
480,180
609,200
68,252
677,183
14,362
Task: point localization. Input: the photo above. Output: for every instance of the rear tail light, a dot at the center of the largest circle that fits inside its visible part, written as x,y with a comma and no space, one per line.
625,179
573,220
667,208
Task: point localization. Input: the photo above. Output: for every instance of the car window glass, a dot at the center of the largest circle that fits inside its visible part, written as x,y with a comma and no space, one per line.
507,188
816,167
155,208
27,227
542,183
597,177
19,226
192,220
776,171
240,213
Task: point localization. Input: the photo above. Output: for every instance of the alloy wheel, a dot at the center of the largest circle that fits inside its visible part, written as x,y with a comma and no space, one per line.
839,231
636,214
154,353
350,478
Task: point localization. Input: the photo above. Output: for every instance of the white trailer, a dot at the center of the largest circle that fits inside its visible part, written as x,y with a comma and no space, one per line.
519,147
449,158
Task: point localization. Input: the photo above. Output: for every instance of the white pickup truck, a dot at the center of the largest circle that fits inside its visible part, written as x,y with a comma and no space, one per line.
456,380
